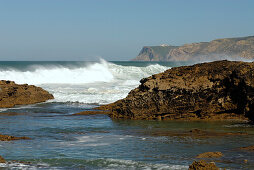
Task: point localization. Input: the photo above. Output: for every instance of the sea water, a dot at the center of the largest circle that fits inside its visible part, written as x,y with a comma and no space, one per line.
62,141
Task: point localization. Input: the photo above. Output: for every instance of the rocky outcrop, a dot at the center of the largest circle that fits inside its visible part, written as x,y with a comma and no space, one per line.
203,165
12,94
9,138
217,49
209,91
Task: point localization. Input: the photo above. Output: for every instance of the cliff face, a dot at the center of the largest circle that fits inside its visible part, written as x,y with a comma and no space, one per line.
210,91
217,49
12,94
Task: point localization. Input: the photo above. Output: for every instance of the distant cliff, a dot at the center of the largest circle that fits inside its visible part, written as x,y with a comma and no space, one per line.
217,49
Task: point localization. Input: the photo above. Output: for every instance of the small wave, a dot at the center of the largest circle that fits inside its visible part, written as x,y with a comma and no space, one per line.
18,165
244,125
101,163
130,164
96,140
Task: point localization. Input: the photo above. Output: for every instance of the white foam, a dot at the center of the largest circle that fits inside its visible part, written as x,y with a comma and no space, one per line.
130,164
18,165
60,74
102,82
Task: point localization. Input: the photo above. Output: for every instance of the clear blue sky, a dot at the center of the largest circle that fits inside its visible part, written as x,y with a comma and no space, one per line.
114,29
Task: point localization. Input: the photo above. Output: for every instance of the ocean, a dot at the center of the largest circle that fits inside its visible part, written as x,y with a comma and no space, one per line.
62,141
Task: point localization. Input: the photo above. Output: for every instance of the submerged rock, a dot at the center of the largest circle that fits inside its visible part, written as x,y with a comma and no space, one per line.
209,91
210,155
12,94
203,165
9,138
194,133
248,148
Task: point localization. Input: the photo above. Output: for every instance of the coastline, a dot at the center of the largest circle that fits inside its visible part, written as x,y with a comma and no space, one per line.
93,132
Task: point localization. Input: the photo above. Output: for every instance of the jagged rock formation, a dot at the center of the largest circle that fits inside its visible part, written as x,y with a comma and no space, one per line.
209,91
217,49
12,94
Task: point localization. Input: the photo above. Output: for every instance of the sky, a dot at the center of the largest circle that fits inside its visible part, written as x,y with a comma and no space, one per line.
85,30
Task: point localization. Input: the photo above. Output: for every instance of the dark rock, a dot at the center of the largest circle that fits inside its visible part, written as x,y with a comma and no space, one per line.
209,91
12,94
202,165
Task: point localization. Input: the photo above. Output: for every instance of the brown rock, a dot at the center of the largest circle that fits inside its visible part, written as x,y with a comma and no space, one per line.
217,90
11,114
2,160
248,148
202,165
210,155
9,138
12,94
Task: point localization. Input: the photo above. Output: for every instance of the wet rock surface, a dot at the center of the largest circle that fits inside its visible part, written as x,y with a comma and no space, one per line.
12,94
9,138
203,165
217,90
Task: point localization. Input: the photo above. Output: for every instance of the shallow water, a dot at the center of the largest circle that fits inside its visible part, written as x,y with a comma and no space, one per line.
62,141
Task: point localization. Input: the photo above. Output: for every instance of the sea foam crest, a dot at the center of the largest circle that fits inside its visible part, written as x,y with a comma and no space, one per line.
60,74
101,82
102,71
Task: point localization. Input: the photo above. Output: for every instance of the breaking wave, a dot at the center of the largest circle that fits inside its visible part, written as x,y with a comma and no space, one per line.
98,82
102,71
